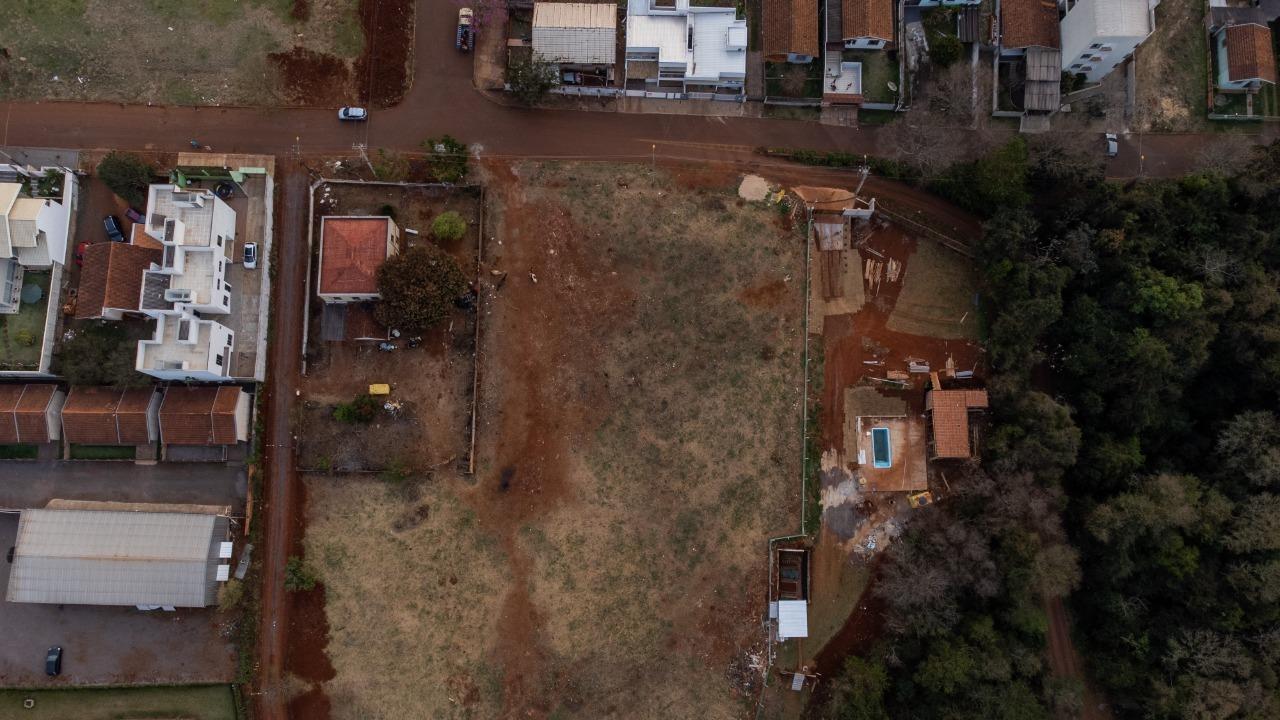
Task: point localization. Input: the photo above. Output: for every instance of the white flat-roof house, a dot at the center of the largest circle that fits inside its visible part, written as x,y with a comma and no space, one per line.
579,38
33,233
196,230
1098,35
674,46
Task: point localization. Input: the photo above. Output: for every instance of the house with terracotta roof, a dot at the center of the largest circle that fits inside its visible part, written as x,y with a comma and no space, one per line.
196,231
790,31
950,429
111,416
204,415
1098,35
1028,23
352,248
1246,57
111,279
30,414
867,24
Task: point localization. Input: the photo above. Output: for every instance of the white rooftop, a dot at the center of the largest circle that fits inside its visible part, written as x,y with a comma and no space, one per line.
714,53
1118,18
718,38
793,619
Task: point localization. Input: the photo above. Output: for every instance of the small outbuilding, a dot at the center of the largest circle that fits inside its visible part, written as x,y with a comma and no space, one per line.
111,416
100,557
204,416
30,414
949,410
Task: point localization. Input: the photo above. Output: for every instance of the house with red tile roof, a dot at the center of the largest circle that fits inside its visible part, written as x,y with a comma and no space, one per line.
790,30
111,279
867,24
951,433
111,416
1246,57
30,414
204,415
352,248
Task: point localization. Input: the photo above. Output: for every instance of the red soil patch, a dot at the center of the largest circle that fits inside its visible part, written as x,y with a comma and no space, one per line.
843,337
765,295
308,633
312,78
542,364
383,71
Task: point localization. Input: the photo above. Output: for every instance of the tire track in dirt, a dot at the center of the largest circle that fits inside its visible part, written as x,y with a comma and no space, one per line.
1065,662
543,401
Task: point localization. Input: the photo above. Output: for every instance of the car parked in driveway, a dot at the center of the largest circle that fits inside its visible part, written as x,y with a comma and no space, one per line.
80,250
133,215
353,113
250,255
53,662
115,233
1113,145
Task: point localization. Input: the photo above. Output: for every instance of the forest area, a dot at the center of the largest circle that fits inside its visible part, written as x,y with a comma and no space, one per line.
1132,466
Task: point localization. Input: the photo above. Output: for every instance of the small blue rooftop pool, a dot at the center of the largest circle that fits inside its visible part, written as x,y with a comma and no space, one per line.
881,452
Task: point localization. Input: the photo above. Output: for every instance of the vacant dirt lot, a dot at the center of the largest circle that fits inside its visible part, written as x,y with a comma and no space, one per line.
255,52
638,442
1172,70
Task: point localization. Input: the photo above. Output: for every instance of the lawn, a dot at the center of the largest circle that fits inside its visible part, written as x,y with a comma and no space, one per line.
160,51
878,70
22,334
193,702
793,80
638,443
18,452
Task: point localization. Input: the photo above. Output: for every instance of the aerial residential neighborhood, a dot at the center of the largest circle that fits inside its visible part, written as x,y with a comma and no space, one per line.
775,359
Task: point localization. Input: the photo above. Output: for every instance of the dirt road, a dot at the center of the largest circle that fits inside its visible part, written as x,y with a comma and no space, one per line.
279,458
1065,662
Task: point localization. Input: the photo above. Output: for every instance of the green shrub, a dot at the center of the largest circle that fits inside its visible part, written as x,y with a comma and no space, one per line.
387,210
944,50
447,159
298,576
448,226
24,337
127,175
361,410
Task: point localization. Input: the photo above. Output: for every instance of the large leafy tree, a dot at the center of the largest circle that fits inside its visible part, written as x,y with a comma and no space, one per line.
127,175
418,287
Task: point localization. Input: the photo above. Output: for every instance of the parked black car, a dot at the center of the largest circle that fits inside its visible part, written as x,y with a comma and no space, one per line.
53,662
115,233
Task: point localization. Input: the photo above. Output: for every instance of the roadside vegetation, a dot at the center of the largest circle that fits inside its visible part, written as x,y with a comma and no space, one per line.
1133,334
193,702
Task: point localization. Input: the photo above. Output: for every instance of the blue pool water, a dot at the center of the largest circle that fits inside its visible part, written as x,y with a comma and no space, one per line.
881,454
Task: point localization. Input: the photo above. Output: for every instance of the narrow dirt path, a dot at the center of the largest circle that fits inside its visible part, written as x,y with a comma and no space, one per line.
1065,662
281,480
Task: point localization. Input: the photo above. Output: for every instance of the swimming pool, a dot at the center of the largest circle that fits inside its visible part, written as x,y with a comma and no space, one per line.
881,453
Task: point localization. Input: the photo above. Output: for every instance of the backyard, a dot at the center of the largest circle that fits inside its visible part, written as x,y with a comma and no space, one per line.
879,70
254,52
191,702
637,441
22,334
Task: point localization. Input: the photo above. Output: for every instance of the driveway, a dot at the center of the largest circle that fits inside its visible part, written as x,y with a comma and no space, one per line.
32,485
107,645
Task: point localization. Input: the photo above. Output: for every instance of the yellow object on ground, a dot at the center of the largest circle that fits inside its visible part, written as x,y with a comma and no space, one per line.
380,389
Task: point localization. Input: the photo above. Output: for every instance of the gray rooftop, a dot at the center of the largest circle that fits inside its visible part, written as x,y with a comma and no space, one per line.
95,557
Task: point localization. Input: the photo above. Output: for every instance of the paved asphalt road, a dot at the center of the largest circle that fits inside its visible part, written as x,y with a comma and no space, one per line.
31,485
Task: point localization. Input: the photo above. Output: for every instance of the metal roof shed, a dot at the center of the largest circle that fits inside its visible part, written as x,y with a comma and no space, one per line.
793,619
583,33
96,557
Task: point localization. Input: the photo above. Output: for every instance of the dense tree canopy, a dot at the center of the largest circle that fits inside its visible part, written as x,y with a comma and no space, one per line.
418,287
127,175
1134,338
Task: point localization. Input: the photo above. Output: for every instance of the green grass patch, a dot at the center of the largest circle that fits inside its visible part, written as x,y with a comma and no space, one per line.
878,70
793,80
348,35
22,334
17,452
103,452
190,702
876,117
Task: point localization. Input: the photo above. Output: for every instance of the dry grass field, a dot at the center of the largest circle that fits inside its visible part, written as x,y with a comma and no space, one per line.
938,288
638,444
206,52
1172,70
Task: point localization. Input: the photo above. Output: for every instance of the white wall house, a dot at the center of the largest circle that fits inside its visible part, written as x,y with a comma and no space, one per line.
33,234
671,45
579,38
1098,35
196,230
